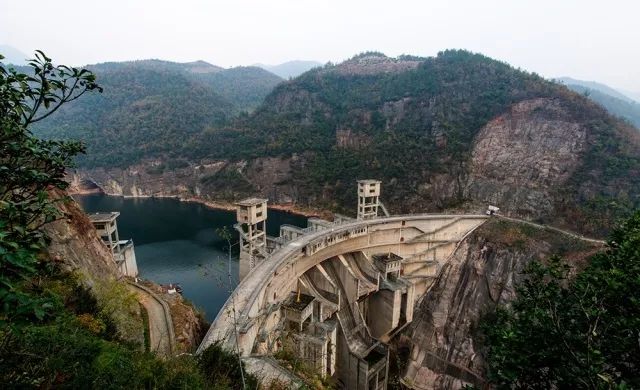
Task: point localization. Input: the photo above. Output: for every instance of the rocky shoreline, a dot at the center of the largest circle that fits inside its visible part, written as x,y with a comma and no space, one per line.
216,205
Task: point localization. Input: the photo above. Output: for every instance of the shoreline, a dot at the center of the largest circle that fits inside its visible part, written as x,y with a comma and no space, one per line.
212,204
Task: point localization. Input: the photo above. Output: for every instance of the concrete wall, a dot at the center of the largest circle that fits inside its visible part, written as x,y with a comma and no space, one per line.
272,281
383,312
129,266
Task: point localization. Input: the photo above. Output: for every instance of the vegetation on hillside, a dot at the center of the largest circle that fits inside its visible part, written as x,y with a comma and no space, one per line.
418,124
54,333
564,332
625,109
149,107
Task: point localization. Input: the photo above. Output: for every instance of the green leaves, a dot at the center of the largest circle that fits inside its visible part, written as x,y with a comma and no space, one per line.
572,333
30,168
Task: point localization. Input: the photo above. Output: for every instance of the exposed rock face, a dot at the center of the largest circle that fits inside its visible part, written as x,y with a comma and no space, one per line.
74,243
374,63
520,158
482,273
212,180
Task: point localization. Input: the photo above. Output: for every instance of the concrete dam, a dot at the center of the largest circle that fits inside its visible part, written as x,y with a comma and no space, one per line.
334,293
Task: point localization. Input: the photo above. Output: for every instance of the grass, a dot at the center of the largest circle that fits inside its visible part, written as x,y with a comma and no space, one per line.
145,326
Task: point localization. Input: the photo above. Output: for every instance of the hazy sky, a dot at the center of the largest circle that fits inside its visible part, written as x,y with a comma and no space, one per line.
585,39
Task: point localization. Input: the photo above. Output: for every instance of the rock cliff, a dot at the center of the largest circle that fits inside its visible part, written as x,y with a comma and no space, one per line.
75,245
521,157
446,350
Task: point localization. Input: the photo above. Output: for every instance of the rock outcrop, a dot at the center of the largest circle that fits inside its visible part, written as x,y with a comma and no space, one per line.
209,181
520,158
75,245
445,348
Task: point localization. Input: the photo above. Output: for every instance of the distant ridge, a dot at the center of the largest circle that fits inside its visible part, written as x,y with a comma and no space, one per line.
633,94
290,69
614,101
598,87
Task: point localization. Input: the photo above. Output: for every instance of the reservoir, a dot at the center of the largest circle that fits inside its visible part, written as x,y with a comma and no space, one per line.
176,242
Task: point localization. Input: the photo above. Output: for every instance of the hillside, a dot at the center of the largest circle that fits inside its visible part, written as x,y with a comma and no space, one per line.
456,131
144,111
148,108
595,86
453,132
615,102
244,86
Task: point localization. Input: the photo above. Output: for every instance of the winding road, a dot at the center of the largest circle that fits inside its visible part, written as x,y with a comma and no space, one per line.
161,333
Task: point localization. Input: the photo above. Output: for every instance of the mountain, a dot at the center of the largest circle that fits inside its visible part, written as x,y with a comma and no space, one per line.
13,55
453,132
614,101
456,131
290,69
244,86
148,108
595,86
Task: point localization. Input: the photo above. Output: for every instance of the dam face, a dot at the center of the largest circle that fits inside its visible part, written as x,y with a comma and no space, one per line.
335,293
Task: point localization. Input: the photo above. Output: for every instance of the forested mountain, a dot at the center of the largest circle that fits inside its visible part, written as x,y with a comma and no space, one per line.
615,102
290,69
455,131
244,86
592,85
149,107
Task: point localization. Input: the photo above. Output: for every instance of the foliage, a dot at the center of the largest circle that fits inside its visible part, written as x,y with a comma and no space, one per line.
580,333
29,168
617,105
149,107
118,305
221,369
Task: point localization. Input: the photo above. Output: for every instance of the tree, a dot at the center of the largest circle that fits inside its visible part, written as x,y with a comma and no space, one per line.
573,333
29,168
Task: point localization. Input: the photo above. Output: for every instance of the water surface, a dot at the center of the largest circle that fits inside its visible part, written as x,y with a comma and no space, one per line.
176,242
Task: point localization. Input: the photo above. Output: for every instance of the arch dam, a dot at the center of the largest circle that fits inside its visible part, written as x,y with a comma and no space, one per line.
335,293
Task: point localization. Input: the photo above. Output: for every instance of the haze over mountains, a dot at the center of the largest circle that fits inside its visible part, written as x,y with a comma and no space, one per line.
614,101
290,69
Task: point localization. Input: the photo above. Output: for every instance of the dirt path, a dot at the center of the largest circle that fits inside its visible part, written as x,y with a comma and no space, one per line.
555,229
160,325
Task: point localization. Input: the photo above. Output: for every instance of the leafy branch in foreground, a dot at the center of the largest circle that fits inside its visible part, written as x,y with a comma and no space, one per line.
30,168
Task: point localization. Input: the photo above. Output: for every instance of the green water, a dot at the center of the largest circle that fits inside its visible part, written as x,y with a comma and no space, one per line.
176,242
